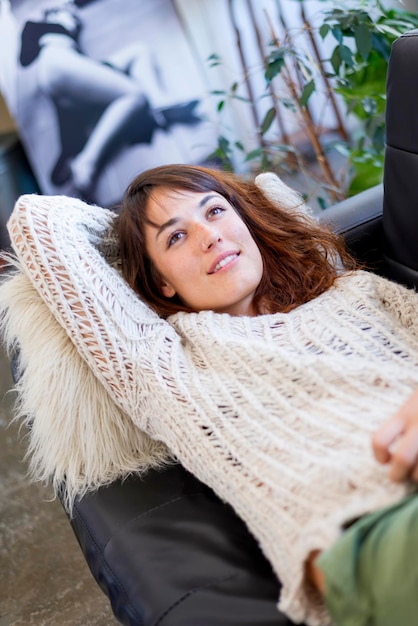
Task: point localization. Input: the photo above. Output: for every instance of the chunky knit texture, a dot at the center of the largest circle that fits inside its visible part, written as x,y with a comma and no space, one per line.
274,412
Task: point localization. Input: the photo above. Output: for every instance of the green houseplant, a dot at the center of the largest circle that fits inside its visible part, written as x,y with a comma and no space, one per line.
352,76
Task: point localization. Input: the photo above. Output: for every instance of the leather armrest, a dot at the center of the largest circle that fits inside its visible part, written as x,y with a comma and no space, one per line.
167,551
359,220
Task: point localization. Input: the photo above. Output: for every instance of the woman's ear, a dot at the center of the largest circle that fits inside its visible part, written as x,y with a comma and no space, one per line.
167,290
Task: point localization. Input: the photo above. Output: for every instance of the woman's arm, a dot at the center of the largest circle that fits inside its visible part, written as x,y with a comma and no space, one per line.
55,239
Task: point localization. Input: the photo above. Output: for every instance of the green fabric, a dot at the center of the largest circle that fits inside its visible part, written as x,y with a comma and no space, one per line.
371,572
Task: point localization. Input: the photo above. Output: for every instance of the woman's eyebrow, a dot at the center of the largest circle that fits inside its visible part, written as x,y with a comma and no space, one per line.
174,220
207,198
171,222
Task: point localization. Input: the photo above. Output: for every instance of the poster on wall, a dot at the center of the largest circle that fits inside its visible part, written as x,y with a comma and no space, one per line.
101,90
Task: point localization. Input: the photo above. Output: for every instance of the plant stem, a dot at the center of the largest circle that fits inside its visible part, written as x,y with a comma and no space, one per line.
279,118
340,125
245,73
323,162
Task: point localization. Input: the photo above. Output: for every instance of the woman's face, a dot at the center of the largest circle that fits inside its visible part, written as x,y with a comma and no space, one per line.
203,251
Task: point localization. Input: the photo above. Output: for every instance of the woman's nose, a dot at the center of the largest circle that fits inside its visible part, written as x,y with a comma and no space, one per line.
208,238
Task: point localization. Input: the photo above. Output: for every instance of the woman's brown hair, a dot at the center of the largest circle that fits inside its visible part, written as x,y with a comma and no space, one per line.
300,258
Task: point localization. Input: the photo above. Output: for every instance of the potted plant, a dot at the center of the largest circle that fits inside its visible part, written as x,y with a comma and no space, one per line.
352,78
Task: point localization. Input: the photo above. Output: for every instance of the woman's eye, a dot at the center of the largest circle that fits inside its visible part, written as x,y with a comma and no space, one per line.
216,210
174,237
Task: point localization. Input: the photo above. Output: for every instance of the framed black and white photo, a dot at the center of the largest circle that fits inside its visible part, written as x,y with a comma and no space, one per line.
101,90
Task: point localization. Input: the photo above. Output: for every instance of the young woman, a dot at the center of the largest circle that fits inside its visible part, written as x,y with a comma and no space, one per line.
264,360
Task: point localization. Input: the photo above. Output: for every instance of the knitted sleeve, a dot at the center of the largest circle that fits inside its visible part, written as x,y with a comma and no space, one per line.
400,301
56,240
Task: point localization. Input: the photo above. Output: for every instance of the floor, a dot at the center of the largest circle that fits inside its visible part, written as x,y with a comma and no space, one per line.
44,580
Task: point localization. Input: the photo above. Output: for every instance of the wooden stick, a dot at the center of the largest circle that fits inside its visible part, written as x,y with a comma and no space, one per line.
342,131
245,73
279,117
333,186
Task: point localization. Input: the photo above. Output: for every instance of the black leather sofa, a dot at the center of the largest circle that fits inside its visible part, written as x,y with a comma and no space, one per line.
165,550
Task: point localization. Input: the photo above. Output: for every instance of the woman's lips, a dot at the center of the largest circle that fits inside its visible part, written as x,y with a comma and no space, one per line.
222,261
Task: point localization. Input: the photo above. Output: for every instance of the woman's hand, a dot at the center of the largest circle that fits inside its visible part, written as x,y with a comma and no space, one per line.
396,442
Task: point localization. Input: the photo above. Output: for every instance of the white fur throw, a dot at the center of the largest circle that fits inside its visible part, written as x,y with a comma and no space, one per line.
78,439
278,192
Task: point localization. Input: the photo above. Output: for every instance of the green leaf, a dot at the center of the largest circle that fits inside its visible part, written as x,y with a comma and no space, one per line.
369,105
223,144
336,59
394,33
369,81
366,174
240,98
364,40
273,69
381,46
254,154
337,33
288,104
223,153
277,54
220,105
268,120
265,162
346,55
342,148
308,90
240,146
283,147
214,60
324,30
322,203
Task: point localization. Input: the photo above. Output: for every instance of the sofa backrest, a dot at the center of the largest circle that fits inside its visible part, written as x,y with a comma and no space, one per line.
400,206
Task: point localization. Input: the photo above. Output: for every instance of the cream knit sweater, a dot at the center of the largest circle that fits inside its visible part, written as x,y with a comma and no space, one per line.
275,412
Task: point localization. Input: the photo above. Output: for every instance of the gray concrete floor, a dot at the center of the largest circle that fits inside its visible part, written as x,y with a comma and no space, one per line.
44,580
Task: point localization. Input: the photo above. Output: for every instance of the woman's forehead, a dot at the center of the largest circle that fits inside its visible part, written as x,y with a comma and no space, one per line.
164,200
